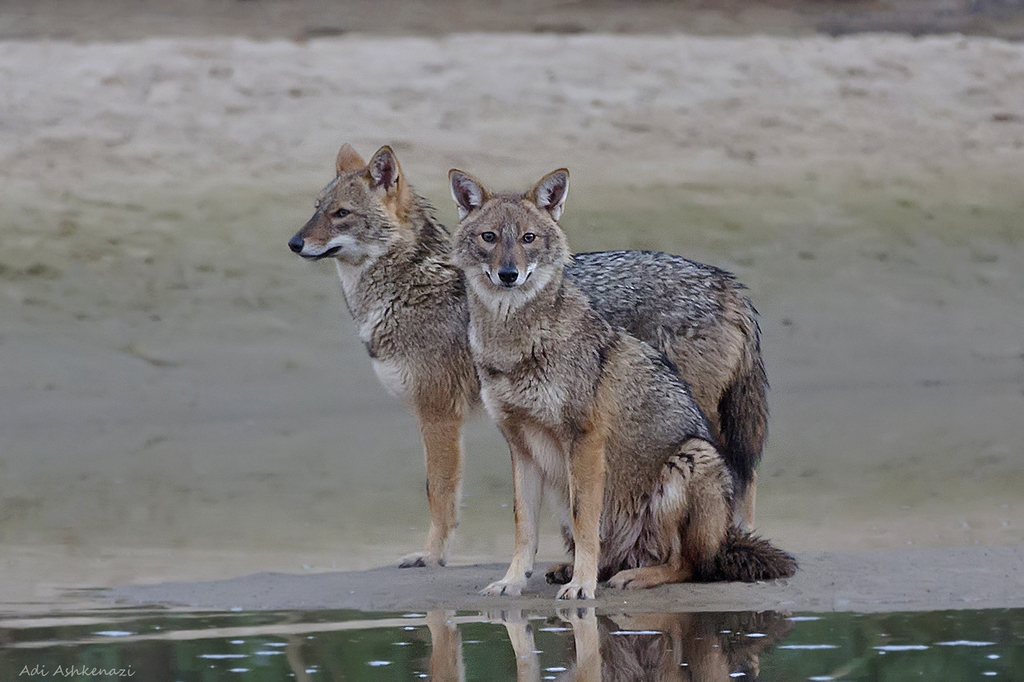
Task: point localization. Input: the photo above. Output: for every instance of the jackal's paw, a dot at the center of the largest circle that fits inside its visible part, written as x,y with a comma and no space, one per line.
559,574
634,579
509,588
420,559
576,590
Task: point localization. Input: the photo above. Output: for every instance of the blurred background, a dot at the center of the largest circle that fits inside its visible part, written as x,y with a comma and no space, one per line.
182,397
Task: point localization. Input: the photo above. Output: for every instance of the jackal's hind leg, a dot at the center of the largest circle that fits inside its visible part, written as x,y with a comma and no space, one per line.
651,576
689,518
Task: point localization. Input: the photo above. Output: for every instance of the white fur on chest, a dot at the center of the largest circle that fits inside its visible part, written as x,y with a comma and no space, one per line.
373,318
549,455
394,374
542,399
370,316
349,276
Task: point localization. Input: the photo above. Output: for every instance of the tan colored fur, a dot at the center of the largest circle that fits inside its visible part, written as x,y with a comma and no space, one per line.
409,304
649,507
587,469
711,366
392,259
348,160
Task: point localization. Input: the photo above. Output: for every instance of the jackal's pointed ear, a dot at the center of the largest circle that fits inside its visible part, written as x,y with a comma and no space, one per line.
348,159
468,192
384,169
549,194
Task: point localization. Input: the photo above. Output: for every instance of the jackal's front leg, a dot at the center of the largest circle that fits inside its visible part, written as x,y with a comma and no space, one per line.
527,482
586,497
442,447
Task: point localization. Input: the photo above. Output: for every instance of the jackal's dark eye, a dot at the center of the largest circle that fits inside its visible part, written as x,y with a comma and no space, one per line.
341,213
529,237
489,237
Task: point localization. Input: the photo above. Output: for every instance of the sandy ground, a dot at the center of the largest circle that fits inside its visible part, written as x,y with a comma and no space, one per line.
865,582
183,399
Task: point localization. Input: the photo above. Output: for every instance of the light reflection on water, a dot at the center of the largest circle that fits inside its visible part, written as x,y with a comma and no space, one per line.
569,644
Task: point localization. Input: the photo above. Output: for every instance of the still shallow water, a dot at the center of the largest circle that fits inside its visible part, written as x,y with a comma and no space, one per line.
156,645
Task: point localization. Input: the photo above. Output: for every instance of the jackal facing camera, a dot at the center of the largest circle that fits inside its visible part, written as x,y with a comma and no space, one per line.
594,416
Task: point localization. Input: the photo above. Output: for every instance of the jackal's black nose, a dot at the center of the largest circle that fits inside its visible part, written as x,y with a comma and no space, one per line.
296,243
508,276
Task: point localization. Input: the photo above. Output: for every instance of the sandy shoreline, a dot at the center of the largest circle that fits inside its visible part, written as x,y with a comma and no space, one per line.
901,580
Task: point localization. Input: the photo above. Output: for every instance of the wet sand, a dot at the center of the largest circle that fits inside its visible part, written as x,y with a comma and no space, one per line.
185,400
99,20
864,582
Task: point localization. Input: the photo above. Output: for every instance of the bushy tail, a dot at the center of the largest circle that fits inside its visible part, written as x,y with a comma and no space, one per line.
743,409
748,558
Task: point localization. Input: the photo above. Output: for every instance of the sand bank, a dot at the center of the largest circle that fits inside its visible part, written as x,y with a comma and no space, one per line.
177,384
900,580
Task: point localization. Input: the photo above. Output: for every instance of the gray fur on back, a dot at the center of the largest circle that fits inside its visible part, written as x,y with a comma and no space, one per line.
673,297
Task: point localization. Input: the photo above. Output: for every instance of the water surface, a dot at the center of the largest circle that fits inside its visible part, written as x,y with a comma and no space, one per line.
158,645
